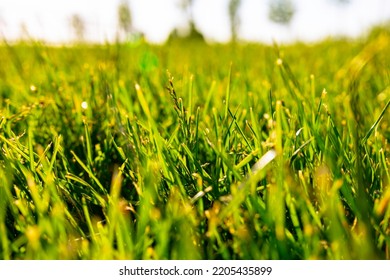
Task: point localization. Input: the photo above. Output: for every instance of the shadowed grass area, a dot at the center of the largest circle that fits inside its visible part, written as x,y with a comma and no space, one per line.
194,151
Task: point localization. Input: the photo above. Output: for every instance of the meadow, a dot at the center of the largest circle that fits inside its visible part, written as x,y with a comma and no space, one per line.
195,151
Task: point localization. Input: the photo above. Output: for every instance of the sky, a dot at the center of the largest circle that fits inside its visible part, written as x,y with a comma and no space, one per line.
49,20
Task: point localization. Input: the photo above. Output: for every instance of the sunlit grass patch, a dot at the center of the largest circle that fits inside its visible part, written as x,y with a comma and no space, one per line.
237,152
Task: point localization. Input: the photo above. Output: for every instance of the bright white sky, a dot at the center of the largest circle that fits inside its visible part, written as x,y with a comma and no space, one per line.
314,19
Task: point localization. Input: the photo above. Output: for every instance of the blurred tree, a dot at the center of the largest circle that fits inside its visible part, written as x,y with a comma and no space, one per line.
342,1
281,11
234,19
193,33
78,27
186,6
125,22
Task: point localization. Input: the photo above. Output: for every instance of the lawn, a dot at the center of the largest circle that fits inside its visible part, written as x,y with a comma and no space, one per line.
196,151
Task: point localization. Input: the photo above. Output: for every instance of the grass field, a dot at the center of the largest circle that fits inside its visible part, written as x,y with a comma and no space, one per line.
195,151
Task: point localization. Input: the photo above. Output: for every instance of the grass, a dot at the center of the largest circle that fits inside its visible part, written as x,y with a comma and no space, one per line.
236,152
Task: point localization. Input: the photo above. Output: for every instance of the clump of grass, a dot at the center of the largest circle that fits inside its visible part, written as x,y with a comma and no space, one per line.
234,158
